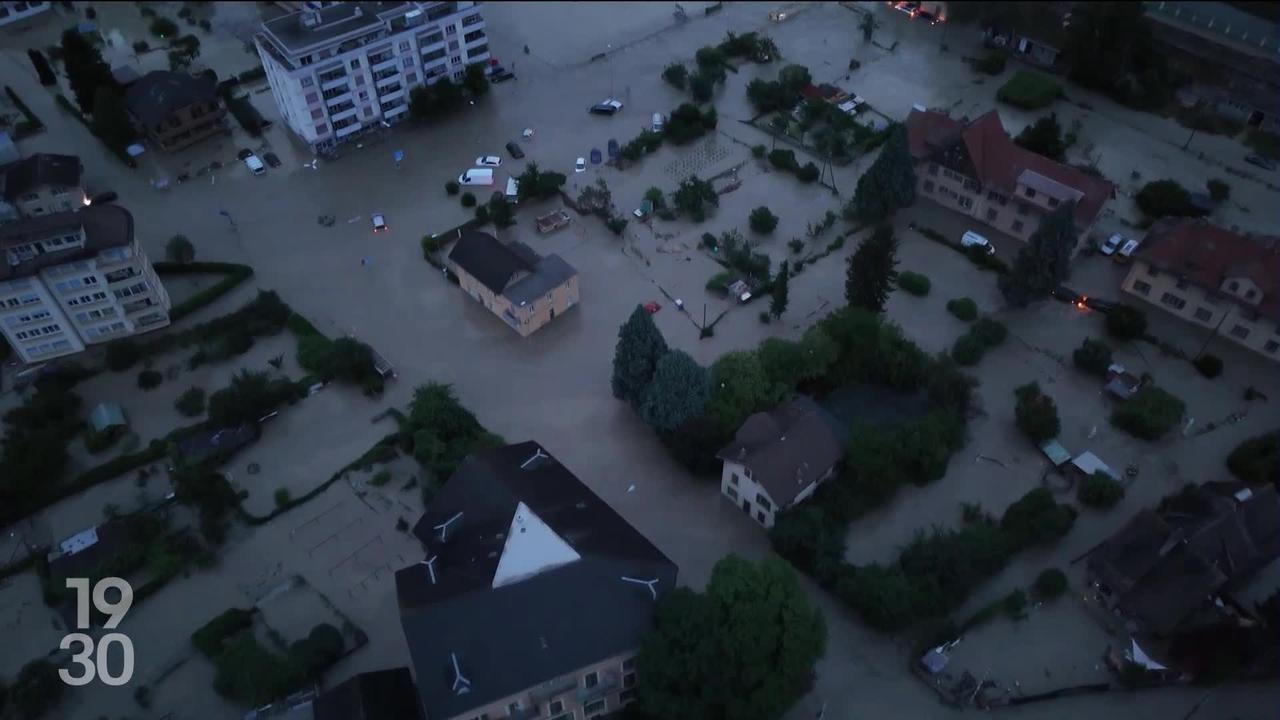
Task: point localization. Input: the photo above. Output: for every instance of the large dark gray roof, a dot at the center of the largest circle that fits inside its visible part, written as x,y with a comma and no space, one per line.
786,448
38,170
104,226
378,695
532,630
160,93
513,270
551,272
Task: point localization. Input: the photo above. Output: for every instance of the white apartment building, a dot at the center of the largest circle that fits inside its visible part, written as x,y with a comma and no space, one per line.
73,279
11,12
339,71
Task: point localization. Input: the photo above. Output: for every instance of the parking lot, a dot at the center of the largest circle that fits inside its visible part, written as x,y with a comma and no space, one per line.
553,386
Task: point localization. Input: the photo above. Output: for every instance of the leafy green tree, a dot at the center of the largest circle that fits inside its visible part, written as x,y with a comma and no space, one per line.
868,26
42,68
85,68
807,536
889,184
678,392
1044,137
711,58
767,95
743,649
693,196
1150,414
1256,460
1045,261
191,402
1050,584
475,81
111,118
1099,490
534,184
1218,189
1110,48
1126,322
739,387
640,347
250,396
1035,519
1166,198
793,78
762,220
1036,414
1093,357
778,303
676,75
871,275
179,249
440,98
702,86
788,363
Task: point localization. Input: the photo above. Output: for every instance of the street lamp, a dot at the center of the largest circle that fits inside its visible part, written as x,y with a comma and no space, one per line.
609,51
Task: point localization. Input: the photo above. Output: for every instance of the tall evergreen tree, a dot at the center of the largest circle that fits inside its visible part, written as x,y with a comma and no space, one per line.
1045,261
41,65
86,71
778,303
1044,137
889,184
872,274
640,347
111,118
678,393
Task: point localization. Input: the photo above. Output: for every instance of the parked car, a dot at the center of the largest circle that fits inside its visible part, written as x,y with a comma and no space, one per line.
476,176
1126,251
244,154
379,222
515,150
928,17
580,165
271,159
254,164
1111,244
499,74
608,106
973,239
910,8
1265,163
488,161
659,121
1067,295
513,191
104,198
1100,305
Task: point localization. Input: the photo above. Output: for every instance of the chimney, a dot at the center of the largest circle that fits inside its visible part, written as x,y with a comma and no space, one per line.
310,18
800,471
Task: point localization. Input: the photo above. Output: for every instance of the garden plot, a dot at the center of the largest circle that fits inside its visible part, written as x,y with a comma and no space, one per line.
290,610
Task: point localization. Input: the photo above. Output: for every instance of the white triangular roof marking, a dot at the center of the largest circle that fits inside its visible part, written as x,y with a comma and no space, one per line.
531,547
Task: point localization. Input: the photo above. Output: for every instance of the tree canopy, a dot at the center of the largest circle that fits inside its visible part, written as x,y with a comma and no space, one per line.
640,347
871,275
781,290
889,184
742,650
1045,261
1036,414
739,387
678,392
1111,49
86,70
1044,137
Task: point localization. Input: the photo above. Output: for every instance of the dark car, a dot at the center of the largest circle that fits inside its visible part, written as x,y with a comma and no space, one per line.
1265,163
1067,295
605,107
1100,305
244,153
104,198
271,159
499,74
515,150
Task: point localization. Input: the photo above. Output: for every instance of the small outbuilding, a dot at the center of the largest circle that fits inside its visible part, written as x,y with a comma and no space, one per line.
107,416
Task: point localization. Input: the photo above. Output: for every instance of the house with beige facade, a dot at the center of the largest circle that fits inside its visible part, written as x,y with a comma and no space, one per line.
69,280
523,288
778,458
975,168
1223,281
41,184
532,597
176,109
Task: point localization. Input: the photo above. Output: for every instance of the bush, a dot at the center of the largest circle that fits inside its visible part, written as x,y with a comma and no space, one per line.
616,225
1093,357
210,637
191,402
1099,490
179,250
914,283
141,46
809,173
963,308
1149,414
1015,605
1219,190
1256,460
452,187
380,478
759,151
282,497
762,220
122,355
676,75
992,64
1036,414
1126,322
719,283
163,27
968,350
468,200
1209,366
990,332
783,159
482,214
1036,519
1161,198
1029,90
1050,584
148,379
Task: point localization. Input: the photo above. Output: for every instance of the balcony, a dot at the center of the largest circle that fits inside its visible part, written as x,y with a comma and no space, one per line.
339,81
395,111
138,305
349,111
550,690
121,275
343,97
380,77
608,683
384,64
351,129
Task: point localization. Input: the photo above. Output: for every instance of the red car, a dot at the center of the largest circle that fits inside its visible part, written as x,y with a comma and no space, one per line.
652,307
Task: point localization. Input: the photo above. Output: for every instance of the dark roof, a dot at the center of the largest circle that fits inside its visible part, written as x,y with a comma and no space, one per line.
39,170
529,629
105,226
160,93
513,270
336,20
1176,586
110,537
786,448
378,695
125,75
998,162
1206,255
218,441
1125,557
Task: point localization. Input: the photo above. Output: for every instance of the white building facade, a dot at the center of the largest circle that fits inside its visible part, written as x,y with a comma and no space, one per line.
71,280
11,12
754,500
341,71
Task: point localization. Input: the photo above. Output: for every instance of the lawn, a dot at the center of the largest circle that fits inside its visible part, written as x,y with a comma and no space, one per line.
1029,90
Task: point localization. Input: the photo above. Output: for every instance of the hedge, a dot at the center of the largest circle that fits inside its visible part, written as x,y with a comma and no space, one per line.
963,308
1093,357
29,126
210,637
235,273
914,283
382,451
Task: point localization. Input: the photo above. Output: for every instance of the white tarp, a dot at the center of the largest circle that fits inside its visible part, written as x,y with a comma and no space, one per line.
1141,658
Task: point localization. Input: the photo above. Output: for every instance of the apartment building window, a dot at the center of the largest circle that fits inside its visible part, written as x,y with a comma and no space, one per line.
473,36
733,494
317,114
1173,301
629,664
1030,192
441,11
964,202
433,55
933,168
322,129
1271,346
626,696
1233,286
1053,202
471,19
1182,283
761,517
555,707
763,501
408,62
453,46
1240,332
928,186
359,79
629,680
306,82
355,63
451,30
593,707
411,78
733,478
1202,314
513,708
404,46
433,38
1248,294
992,214
1017,226
591,679
478,50
455,60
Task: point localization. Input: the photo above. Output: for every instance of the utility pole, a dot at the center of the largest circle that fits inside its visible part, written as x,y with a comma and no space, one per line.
1213,334
1189,139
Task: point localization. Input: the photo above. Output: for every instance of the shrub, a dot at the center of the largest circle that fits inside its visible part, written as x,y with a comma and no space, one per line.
783,159
148,379
1161,198
963,308
1093,357
191,402
809,173
205,25
1256,460
616,225
914,283
209,638
1035,519
163,27
1029,90
1219,190
380,478
452,187
992,64
468,200
1050,584
719,283
1036,414
1209,366
990,332
1015,605
1149,414
759,151
1099,490
676,75
482,214
282,497
968,350
179,250
762,220
1126,322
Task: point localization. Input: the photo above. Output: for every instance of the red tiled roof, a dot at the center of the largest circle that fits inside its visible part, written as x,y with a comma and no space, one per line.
1206,255
999,161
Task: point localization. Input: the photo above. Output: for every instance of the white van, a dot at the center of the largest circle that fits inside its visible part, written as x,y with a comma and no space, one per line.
1126,251
513,190
973,239
476,176
255,165
658,122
